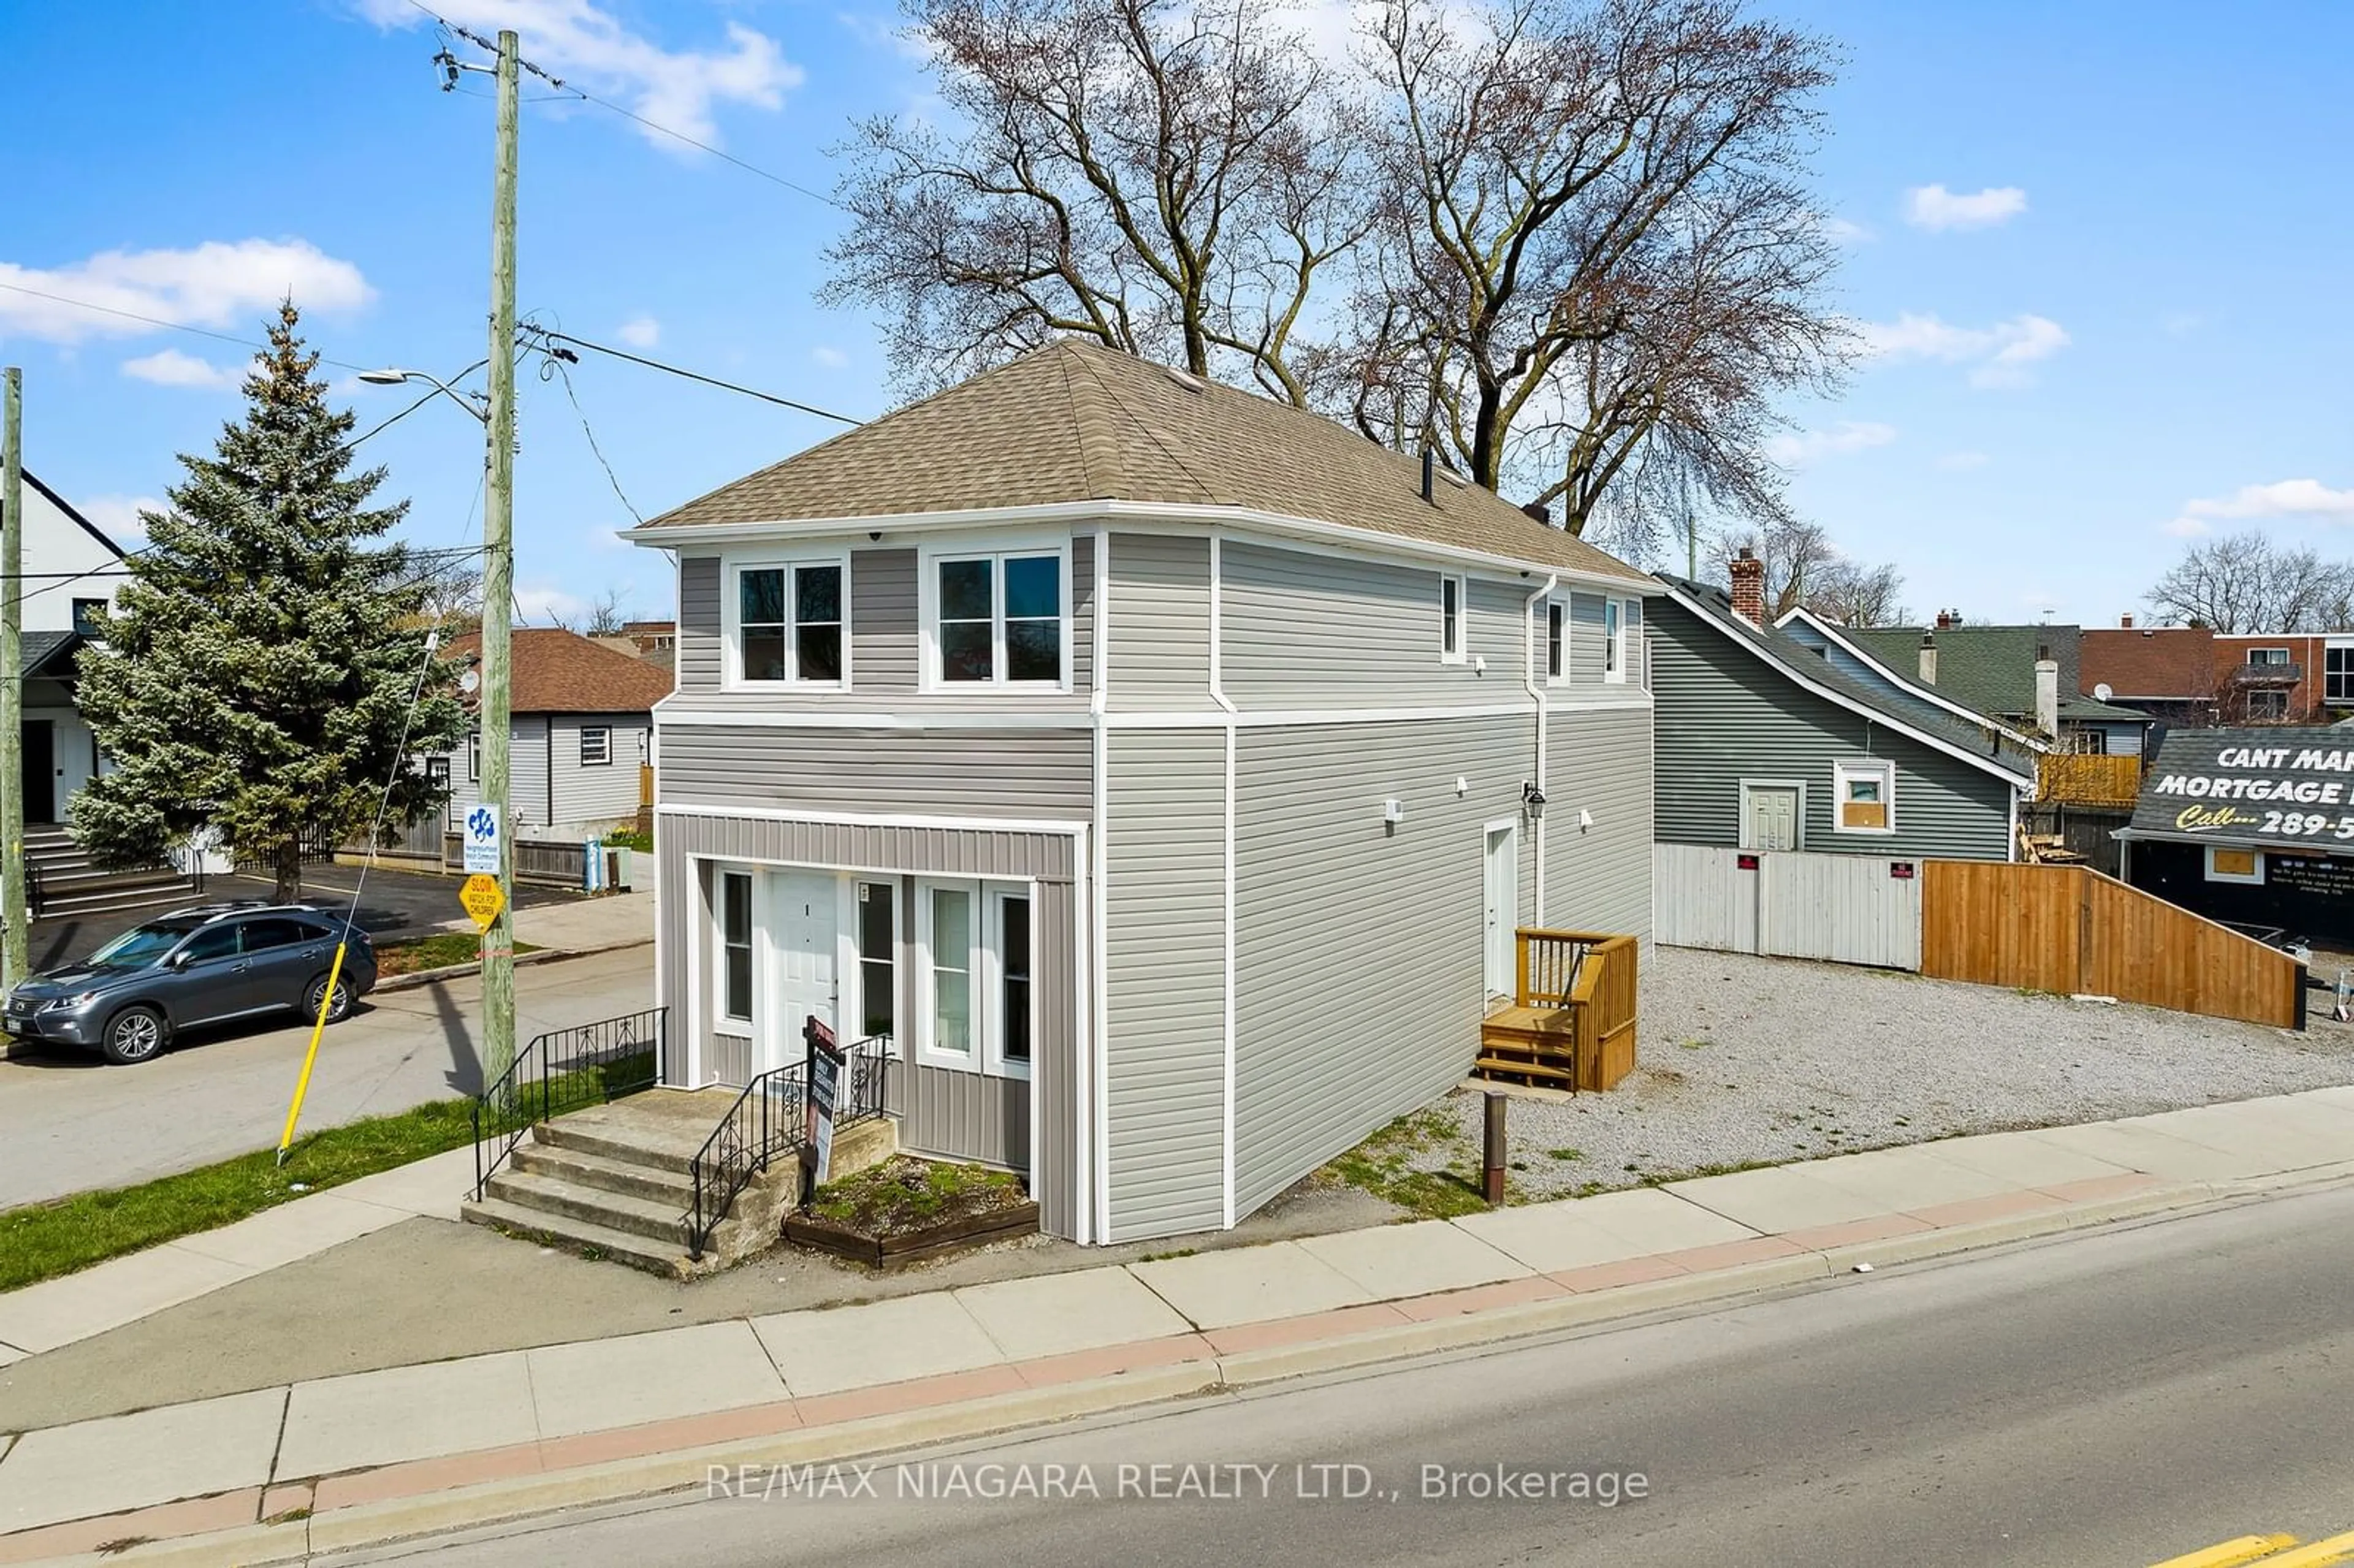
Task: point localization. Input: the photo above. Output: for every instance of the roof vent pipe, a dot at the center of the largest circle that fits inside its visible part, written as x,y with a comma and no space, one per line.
1430,474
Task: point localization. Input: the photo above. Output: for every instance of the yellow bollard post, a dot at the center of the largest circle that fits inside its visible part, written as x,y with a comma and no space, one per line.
318,1027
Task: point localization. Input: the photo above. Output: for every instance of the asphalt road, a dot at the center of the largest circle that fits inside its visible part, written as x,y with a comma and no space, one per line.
68,1123
2115,1398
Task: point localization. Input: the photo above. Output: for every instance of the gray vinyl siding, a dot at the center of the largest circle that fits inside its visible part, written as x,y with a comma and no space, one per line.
1312,631
1585,637
1164,1026
586,796
1599,878
1159,638
965,773
940,1118
1358,967
886,642
1724,714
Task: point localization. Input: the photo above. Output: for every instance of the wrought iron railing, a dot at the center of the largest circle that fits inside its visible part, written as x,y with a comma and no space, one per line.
770,1120
564,1070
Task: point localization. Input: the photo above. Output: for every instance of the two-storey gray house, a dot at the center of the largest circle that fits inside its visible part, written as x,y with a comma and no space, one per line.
1164,769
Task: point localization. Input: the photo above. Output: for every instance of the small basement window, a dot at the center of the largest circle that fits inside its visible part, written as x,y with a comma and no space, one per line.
2234,865
1865,796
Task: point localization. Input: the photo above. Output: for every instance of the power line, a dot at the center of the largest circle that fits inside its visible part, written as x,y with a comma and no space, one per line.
698,375
386,424
563,373
160,322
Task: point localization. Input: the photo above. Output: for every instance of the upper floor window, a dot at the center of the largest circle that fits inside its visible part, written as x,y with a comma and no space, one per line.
2267,655
474,758
1557,638
1614,640
1451,619
86,614
999,619
787,621
2338,674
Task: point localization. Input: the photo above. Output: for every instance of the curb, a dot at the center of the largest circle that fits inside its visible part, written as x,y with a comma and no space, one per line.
522,960
493,1502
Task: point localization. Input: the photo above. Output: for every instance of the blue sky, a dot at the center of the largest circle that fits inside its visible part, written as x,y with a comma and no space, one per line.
2100,250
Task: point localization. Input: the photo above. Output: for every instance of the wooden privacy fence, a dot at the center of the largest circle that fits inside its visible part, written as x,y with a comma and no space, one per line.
1846,908
2088,779
2068,929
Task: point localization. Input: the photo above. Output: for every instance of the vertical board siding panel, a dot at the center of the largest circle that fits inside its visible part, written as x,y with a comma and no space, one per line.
697,656
1159,621
1083,613
965,773
677,897
1165,1015
1839,909
1705,900
1055,1184
1599,878
969,1115
1306,630
1723,713
882,641
1358,986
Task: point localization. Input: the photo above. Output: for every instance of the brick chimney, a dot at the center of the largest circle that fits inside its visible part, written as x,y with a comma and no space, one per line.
2124,622
1928,659
1947,619
1749,588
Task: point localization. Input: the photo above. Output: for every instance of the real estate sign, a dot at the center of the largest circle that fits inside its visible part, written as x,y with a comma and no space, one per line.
824,1080
2286,787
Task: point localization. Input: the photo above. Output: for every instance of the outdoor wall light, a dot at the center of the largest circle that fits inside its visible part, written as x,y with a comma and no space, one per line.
1533,800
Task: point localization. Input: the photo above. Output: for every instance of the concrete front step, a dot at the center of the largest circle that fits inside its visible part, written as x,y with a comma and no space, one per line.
658,1219
634,1146
590,1239
581,1169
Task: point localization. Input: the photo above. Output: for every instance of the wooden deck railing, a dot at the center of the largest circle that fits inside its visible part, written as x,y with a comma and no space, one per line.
1572,1024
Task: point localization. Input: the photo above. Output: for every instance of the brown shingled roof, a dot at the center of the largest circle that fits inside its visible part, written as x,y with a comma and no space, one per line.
2158,662
560,672
1076,422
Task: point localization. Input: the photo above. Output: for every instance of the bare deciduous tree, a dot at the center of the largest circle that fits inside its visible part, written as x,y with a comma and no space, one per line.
1595,243
1169,177
1854,594
2248,581
1803,567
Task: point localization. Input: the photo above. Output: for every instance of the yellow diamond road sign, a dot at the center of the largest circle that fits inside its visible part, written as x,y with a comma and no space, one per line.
482,899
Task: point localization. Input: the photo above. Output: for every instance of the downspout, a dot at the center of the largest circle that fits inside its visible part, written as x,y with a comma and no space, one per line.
1536,691
1094,1108
1218,695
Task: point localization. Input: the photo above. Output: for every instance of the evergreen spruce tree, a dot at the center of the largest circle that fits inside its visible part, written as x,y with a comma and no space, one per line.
257,666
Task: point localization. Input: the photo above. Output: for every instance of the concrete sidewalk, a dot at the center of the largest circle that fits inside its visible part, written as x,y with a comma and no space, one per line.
341,1461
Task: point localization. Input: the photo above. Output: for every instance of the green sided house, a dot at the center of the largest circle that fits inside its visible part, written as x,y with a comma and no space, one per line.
1161,769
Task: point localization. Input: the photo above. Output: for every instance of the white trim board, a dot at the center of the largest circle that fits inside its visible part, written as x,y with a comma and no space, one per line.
858,820
1927,693
1076,719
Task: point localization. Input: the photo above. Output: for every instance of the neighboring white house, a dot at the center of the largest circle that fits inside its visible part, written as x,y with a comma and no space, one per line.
70,571
581,715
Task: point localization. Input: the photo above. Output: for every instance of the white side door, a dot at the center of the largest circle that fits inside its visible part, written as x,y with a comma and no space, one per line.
1772,817
1501,884
805,927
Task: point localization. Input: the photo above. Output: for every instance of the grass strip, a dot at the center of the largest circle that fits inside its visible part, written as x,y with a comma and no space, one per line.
440,950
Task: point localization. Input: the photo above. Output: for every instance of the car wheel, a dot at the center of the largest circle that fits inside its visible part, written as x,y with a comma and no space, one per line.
337,1010
135,1034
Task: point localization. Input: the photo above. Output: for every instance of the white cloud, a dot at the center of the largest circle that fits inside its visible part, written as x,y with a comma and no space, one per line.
117,516
1958,462
1796,450
675,88
219,283
831,358
170,367
640,332
1999,354
544,605
2306,499
1845,231
1937,208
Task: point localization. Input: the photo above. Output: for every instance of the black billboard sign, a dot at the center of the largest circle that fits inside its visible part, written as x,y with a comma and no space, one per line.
2254,786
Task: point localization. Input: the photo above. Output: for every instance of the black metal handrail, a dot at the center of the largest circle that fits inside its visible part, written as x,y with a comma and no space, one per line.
564,1070
770,1119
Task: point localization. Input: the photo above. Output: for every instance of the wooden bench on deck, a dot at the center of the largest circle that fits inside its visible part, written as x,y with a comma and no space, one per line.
1572,1024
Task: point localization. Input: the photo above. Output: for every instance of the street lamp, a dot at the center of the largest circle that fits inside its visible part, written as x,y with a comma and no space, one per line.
496,413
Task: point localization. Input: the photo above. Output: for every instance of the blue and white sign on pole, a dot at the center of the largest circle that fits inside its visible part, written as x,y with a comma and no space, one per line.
482,839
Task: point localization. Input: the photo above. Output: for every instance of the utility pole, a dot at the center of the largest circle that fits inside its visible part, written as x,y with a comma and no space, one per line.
14,910
498,577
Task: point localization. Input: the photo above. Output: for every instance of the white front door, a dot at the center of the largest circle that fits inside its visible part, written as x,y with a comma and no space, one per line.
1502,885
805,925
1772,817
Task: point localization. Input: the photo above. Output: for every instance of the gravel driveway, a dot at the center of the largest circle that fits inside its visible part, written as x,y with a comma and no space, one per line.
1742,1060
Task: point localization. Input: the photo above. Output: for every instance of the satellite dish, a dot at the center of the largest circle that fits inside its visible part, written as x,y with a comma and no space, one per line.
2101,692
470,681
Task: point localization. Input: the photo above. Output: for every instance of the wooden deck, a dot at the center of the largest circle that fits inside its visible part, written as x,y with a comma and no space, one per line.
1571,1021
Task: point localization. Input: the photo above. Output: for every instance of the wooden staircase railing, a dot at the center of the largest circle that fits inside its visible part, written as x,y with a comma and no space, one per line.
1572,1024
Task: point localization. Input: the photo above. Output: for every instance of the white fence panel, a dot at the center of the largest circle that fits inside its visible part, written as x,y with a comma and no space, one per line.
1847,909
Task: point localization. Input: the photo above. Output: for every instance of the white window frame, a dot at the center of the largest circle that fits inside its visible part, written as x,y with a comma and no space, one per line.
2254,879
731,612
604,732
1614,642
475,756
722,1021
984,969
2267,661
1452,650
1556,624
1881,769
854,1004
996,551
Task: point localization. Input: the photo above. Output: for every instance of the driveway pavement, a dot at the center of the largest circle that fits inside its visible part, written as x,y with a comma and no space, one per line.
67,1123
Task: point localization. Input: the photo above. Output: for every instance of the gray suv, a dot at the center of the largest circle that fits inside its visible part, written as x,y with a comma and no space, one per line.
202,965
